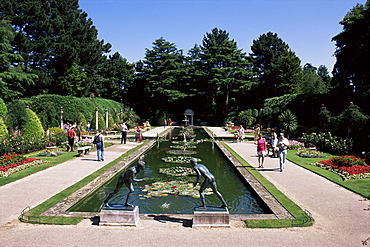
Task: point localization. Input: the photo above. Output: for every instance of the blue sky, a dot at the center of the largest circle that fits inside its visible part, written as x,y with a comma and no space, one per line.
307,26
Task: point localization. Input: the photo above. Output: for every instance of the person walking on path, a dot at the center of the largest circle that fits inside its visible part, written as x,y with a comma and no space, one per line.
71,138
124,133
79,131
261,150
273,142
240,134
257,131
139,135
99,141
282,144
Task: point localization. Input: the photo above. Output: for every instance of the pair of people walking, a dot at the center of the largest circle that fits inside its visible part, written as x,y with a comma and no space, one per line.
282,146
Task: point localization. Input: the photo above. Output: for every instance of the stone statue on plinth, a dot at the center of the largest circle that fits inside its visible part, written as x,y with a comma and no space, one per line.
127,178
209,179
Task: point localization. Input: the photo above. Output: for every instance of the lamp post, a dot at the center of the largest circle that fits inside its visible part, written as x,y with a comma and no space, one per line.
106,118
96,119
61,117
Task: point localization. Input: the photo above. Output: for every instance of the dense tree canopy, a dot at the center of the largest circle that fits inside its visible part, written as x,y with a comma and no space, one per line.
55,37
13,76
352,68
51,46
226,72
266,55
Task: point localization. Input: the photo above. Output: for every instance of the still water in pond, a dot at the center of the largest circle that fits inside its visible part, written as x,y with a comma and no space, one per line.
239,199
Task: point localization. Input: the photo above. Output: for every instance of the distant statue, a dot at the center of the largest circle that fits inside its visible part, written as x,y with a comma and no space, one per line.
209,179
128,178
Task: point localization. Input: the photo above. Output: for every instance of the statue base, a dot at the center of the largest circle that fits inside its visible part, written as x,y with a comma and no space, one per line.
119,215
211,216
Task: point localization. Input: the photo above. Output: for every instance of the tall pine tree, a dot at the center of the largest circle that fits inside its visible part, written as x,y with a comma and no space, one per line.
225,73
267,51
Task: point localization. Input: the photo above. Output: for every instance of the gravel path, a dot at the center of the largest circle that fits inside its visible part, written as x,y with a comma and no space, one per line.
341,218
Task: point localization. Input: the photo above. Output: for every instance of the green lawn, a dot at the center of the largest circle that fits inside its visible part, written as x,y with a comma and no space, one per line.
33,216
55,160
359,186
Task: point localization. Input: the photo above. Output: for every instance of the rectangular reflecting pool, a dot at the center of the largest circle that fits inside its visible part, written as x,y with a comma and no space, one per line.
164,193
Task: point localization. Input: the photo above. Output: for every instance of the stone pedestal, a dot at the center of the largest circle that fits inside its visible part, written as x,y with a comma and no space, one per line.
119,215
211,217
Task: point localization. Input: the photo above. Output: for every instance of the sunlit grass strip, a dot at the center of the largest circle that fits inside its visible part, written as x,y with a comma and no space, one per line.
289,205
33,215
359,186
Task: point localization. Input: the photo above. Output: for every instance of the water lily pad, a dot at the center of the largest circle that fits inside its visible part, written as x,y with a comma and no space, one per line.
177,171
181,152
176,188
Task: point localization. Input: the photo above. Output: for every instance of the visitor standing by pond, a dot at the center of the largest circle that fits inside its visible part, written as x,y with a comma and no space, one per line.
282,144
261,150
99,141
138,135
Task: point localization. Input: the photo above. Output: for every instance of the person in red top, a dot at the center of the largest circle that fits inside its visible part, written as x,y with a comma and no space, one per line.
261,149
139,134
71,137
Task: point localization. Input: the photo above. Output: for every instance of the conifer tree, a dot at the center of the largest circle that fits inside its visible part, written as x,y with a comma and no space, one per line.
225,72
13,76
266,54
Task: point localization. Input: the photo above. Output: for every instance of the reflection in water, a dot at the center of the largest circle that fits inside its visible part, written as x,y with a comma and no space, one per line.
235,192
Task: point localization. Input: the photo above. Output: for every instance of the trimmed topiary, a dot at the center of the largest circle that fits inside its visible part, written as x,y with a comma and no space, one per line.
32,126
3,129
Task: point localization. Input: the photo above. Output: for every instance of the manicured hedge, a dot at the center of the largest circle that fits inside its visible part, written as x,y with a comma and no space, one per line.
48,108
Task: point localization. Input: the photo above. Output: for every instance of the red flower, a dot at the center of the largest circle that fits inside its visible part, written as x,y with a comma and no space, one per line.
175,195
174,187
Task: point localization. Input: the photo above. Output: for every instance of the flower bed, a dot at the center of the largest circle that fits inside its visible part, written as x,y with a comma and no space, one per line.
49,153
293,145
10,164
348,167
310,154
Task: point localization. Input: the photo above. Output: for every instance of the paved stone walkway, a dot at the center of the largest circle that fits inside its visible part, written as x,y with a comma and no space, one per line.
341,218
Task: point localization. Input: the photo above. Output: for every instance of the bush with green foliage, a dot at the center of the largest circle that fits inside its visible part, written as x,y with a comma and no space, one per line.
57,136
246,118
3,108
329,143
21,144
288,121
32,126
3,129
16,115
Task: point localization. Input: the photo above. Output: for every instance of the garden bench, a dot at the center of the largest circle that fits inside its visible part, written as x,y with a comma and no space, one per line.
83,150
111,132
87,137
